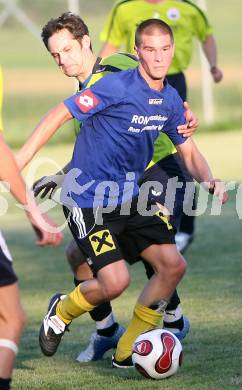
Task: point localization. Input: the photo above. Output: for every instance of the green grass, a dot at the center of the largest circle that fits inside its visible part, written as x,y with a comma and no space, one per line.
211,294
211,298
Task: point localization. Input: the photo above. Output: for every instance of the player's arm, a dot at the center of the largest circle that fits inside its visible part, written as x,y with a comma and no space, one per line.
43,226
200,170
191,125
210,51
46,128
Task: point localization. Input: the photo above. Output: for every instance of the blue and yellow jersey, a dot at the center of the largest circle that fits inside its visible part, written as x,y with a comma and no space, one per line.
116,63
185,18
1,98
121,118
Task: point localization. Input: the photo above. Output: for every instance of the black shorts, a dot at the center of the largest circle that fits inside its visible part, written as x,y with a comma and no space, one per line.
7,274
171,197
117,236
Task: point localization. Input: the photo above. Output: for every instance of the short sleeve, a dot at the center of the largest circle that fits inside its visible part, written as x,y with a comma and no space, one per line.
201,25
98,97
177,118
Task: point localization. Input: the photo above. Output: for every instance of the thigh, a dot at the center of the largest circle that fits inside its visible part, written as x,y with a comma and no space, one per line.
10,302
171,173
144,231
98,242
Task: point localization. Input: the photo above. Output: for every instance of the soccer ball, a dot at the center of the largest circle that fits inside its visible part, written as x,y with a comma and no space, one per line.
157,354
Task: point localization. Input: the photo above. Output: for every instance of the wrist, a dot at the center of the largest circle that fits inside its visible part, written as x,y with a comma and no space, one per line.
213,69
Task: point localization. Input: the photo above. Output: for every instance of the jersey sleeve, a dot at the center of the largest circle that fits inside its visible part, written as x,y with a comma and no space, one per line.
113,32
177,118
202,27
97,98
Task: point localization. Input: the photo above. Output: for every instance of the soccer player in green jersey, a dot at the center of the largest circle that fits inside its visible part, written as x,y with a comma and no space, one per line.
188,21
64,38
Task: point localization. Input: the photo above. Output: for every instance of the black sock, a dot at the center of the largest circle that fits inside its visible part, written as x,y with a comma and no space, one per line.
174,302
5,383
178,324
108,332
101,311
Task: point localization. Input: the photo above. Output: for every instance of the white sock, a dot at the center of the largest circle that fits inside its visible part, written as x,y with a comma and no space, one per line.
106,322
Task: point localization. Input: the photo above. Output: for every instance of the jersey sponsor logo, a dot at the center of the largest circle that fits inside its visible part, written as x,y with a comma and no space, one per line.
144,120
173,14
155,101
86,101
102,242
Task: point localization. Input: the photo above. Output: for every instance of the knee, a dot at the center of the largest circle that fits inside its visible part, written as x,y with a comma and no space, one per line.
174,265
74,256
15,324
116,287
178,266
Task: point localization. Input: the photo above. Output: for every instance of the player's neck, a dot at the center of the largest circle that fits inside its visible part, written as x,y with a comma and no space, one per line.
156,84
88,64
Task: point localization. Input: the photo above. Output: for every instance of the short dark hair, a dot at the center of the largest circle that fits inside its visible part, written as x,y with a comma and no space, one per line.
148,26
71,22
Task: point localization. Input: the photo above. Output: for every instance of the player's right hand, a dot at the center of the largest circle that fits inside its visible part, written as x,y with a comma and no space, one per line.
45,186
191,125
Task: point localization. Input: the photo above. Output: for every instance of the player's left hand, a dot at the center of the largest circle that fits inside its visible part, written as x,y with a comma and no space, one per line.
191,125
217,188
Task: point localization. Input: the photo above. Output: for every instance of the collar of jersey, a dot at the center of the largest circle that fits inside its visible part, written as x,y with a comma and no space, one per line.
147,85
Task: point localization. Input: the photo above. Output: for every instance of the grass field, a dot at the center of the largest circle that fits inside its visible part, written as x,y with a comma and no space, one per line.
211,295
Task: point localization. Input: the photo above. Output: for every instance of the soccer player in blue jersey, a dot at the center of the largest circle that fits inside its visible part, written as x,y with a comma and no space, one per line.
101,196
63,39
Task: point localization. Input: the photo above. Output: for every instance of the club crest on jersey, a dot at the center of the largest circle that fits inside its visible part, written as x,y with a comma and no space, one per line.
86,101
173,14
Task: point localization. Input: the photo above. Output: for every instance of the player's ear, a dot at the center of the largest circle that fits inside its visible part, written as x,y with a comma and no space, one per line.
136,51
86,42
173,49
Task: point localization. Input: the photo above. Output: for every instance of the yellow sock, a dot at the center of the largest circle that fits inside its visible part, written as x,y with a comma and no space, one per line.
143,319
72,306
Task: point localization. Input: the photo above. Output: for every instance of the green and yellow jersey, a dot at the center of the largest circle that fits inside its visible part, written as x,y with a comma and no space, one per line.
185,18
1,98
115,63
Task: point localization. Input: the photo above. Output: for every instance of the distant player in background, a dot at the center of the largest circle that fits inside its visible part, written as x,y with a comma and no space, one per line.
12,316
64,38
187,21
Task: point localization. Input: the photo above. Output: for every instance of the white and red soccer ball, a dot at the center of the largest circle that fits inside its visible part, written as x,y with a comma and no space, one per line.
157,354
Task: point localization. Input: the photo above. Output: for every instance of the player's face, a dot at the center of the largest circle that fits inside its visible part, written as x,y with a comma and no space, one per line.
155,55
68,53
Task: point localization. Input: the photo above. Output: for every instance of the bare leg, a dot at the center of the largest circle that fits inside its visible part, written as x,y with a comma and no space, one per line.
12,321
